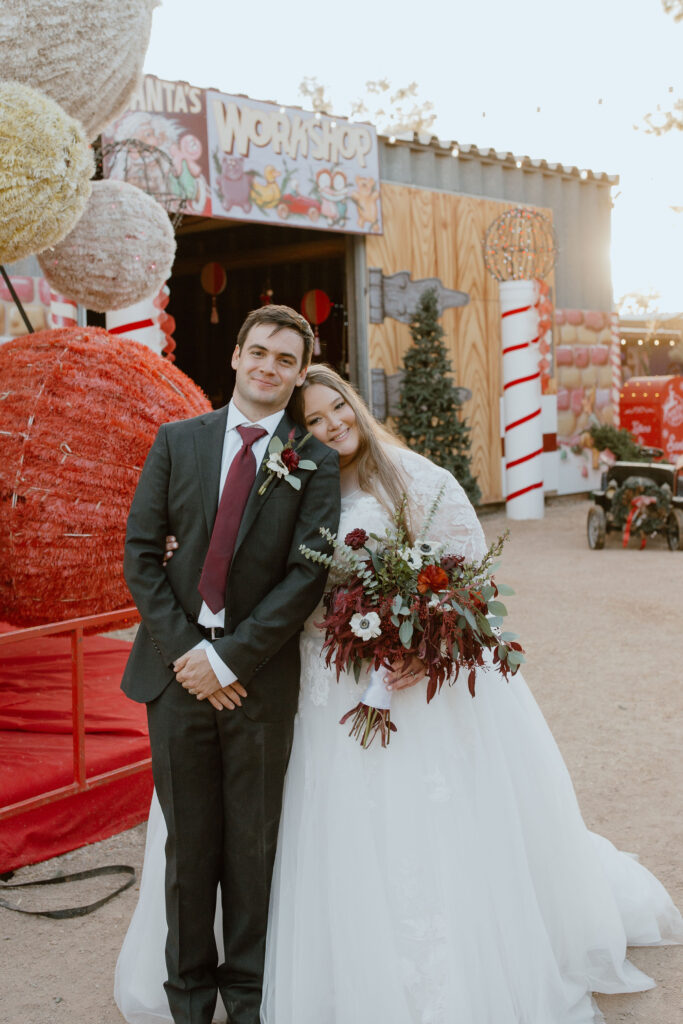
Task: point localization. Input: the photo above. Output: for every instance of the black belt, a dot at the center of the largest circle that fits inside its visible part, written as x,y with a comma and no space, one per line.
211,632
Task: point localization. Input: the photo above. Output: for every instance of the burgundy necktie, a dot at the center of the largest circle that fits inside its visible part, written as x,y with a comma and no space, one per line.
238,483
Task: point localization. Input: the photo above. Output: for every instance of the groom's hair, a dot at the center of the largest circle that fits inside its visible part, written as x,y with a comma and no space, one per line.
281,317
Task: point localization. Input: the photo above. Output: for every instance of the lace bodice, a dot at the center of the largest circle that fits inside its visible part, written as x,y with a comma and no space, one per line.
455,524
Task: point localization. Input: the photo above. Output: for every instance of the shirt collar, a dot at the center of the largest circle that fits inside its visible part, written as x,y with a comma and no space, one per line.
237,418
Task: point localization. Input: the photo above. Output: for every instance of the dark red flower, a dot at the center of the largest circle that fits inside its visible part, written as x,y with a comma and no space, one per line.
290,458
356,539
450,562
433,578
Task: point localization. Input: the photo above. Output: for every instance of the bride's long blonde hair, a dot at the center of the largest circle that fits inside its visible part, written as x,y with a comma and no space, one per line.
378,473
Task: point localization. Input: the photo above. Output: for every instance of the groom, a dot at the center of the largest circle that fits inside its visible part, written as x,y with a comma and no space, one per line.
217,658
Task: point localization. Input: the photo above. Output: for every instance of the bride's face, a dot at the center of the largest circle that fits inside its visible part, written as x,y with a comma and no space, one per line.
332,420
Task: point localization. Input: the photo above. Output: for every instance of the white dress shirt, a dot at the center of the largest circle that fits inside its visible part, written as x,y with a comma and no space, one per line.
231,446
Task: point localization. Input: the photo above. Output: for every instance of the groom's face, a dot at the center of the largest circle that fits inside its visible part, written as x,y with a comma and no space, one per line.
267,369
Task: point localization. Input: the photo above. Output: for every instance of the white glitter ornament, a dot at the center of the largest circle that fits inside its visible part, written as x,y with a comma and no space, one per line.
120,251
86,56
45,172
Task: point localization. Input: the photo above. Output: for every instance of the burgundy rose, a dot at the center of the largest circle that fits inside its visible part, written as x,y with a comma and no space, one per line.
290,458
356,539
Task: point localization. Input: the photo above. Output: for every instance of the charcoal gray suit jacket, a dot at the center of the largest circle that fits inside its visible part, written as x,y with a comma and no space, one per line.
271,587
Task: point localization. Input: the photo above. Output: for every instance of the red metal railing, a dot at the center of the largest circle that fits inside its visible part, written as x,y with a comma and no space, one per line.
81,783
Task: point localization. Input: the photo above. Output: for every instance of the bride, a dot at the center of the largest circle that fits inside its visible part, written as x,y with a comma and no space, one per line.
449,878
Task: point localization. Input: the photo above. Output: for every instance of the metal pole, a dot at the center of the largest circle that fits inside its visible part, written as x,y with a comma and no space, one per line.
17,300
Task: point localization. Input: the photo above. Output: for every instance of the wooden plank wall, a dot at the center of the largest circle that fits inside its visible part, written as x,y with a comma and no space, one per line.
438,234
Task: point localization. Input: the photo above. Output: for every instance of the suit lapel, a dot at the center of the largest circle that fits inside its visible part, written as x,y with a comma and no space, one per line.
256,501
209,438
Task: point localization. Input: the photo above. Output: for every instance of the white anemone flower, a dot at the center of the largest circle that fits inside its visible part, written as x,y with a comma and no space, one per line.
413,556
366,626
428,548
276,465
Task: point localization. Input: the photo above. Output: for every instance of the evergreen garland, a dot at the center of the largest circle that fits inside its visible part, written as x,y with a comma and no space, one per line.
619,441
429,416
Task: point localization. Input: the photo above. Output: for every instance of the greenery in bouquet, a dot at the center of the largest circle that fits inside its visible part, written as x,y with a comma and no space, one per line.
391,599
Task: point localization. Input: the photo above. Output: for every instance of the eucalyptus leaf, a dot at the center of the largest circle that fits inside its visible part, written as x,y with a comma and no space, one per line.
501,652
275,445
357,670
395,619
405,632
397,604
507,637
470,618
307,464
496,621
294,482
484,624
504,590
497,608
487,592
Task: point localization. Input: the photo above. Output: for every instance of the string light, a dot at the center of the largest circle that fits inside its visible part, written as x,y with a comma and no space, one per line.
455,151
520,245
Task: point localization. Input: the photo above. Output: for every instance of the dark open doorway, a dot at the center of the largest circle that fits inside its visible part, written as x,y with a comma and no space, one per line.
256,258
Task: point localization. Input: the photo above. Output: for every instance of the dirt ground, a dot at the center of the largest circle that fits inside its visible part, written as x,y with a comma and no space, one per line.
603,631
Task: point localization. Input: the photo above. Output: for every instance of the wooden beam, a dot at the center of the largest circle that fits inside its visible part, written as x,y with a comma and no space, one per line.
326,248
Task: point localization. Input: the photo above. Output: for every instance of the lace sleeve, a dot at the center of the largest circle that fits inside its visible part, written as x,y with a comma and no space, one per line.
455,522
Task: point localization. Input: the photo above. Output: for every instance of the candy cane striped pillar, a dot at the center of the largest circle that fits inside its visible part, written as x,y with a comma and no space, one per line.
139,322
615,362
521,400
63,311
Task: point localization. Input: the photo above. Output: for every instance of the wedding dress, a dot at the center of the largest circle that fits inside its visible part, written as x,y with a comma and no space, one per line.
447,879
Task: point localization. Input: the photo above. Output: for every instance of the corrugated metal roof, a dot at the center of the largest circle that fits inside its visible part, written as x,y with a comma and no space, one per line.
580,200
464,151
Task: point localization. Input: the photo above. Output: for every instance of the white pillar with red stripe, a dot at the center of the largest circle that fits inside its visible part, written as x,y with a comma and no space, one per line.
615,363
522,400
139,322
63,311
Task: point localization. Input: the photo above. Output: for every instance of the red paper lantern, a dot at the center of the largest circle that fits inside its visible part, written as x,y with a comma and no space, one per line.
80,409
316,306
213,279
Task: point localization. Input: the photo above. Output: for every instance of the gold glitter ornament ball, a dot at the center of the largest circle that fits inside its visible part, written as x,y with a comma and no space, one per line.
45,170
85,54
120,252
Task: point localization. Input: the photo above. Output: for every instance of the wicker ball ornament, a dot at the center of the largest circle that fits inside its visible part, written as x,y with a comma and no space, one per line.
86,56
520,245
120,252
80,409
45,171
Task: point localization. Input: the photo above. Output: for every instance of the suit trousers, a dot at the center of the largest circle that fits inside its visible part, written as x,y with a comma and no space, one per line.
219,777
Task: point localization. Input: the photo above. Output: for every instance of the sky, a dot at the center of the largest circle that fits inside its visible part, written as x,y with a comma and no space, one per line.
487,68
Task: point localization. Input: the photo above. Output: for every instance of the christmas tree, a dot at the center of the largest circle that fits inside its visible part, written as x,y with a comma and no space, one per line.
429,411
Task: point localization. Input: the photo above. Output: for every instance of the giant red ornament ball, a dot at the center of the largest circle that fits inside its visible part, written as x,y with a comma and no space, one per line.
79,409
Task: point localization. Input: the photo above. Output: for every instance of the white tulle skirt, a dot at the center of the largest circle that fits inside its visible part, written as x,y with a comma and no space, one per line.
449,878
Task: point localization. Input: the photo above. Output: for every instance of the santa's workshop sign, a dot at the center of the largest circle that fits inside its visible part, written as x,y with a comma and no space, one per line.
237,158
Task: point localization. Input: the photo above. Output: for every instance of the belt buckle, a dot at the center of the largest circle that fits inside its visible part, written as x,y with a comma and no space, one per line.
213,632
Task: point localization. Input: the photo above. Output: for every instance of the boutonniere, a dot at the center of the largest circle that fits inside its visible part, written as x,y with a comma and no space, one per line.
282,460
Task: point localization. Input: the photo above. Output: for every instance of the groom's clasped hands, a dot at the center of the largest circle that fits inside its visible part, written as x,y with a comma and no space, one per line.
193,670
194,673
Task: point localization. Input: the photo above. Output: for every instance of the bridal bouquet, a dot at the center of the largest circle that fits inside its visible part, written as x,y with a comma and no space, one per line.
391,599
